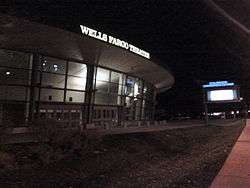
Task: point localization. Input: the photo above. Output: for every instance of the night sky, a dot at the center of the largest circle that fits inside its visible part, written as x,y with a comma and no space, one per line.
194,41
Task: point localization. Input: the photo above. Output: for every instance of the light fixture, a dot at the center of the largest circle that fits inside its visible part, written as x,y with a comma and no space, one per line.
55,67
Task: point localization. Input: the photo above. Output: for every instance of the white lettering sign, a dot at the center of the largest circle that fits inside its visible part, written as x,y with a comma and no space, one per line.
114,41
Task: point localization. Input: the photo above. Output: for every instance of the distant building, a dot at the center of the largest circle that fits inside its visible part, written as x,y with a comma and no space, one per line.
46,72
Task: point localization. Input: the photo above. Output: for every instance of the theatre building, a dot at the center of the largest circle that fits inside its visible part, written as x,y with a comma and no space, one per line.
74,78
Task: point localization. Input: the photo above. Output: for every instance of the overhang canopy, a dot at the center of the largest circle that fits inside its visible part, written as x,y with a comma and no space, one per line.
20,34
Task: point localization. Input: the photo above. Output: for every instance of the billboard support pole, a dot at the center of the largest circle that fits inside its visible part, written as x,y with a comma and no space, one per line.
205,107
206,114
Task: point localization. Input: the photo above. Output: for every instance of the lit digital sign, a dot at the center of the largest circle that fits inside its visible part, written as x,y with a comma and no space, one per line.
218,84
222,95
114,41
221,91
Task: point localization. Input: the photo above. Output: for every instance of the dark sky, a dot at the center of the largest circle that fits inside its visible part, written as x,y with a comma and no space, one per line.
186,35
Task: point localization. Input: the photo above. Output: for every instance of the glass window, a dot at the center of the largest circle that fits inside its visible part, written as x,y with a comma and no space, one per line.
53,95
53,80
114,99
121,90
129,91
117,77
17,93
111,85
101,98
76,83
105,98
102,86
14,76
102,74
53,65
78,74
77,69
129,101
14,59
75,96
138,88
107,87
114,88
130,81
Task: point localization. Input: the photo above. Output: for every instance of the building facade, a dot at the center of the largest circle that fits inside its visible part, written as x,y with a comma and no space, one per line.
49,73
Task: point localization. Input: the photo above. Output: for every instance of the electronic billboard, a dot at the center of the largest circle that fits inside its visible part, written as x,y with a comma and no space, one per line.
221,91
222,95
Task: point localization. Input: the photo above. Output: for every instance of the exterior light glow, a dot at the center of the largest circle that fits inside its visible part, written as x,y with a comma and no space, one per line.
55,66
7,73
216,113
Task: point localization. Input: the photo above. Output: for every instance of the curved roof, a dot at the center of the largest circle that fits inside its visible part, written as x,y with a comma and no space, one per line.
19,34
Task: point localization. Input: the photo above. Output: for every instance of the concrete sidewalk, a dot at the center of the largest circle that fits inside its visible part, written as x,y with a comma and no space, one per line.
168,126
128,130
236,170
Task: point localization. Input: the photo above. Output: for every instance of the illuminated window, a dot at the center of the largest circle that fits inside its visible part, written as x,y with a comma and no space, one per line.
117,78
75,96
102,74
52,95
77,69
76,83
77,74
53,80
109,86
102,86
